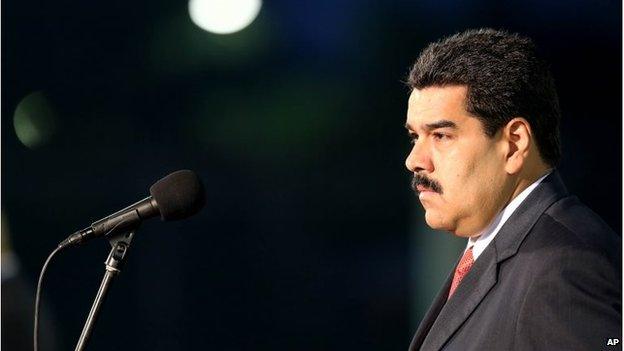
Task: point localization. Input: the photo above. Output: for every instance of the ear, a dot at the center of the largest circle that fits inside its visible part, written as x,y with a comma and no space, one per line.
517,135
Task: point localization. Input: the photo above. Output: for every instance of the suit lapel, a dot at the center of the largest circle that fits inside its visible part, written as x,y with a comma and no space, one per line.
434,332
469,293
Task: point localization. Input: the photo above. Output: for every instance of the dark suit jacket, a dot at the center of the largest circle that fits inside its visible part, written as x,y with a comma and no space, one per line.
550,280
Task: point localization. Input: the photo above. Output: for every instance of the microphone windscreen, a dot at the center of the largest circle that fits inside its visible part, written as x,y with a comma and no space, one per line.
178,195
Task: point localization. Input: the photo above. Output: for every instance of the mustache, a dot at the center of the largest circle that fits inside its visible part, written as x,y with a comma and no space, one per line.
420,179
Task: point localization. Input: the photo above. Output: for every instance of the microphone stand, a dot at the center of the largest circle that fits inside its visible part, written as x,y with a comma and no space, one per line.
120,244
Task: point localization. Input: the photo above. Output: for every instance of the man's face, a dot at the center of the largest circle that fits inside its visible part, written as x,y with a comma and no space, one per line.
458,170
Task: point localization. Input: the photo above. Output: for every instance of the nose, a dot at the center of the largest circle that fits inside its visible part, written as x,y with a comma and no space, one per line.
419,158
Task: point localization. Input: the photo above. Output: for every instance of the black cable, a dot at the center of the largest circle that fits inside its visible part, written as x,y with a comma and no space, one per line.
38,296
61,246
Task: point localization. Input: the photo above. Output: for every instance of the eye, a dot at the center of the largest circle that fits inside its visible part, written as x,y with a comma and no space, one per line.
440,136
413,137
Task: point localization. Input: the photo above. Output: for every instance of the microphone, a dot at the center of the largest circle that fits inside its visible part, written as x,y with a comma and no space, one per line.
176,196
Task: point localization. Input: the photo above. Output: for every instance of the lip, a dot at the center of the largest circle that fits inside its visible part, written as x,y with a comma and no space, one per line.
424,193
423,189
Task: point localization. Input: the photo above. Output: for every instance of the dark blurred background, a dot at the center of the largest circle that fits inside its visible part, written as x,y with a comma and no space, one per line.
311,239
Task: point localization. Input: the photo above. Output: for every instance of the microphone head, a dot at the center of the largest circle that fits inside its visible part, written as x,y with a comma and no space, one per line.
178,195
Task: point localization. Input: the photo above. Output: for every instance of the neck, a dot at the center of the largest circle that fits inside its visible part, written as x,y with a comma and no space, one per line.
527,178
517,186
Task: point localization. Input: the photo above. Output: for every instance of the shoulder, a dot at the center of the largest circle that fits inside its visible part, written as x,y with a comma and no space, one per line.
569,231
566,276
571,262
571,246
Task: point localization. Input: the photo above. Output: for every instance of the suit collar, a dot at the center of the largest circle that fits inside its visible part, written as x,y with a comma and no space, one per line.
434,332
520,223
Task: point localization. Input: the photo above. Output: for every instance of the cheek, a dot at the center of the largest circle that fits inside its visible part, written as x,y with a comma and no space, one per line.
468,179
482,182
455,172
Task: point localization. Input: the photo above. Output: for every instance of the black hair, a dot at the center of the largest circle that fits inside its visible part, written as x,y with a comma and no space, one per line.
504,77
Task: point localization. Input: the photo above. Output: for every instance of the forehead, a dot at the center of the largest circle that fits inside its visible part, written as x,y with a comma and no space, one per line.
435,103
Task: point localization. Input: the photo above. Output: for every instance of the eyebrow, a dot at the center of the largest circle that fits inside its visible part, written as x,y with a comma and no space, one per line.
443,123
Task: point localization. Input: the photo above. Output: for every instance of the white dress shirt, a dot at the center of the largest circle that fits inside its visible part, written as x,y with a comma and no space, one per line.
479,243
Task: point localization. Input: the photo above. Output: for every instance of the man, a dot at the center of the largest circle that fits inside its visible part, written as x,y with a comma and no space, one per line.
540,271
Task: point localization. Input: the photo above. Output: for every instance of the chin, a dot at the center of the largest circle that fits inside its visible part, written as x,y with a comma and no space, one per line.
437,221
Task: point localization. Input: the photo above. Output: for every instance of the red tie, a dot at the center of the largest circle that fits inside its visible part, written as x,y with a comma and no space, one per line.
463,267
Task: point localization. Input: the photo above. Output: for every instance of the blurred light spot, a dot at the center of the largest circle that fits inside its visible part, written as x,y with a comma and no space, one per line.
9,264
34,120
179,48
223,16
